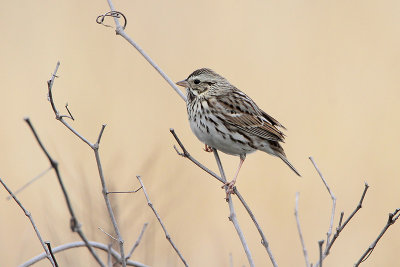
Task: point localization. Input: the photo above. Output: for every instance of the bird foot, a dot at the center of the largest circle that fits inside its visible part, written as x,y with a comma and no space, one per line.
230,187
207,148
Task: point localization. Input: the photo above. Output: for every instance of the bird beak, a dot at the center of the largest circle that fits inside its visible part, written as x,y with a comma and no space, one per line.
183,83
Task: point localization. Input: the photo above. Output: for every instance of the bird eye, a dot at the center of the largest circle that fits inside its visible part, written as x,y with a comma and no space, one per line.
196,81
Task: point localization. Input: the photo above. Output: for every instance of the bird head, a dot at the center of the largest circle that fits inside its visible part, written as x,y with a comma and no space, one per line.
203,81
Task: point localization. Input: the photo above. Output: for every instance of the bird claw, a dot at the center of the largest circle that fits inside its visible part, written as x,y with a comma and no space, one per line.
230,188
207,148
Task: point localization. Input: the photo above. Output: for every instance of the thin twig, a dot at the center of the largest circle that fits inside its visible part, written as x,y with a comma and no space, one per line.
340,228
51,253
124,192
74,223
100,134
120,31
303,245
56,112
232,213
341,219
29,215
186,154
101,229
95,148
264,241
160,221
391,220
30,182
320,244
329,233
109,256
69,112
78,244
54,165
137,241
106,199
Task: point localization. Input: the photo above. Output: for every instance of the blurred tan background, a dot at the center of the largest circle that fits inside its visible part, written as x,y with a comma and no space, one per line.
328,70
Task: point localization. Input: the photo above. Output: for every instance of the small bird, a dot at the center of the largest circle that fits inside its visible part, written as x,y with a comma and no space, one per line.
225,118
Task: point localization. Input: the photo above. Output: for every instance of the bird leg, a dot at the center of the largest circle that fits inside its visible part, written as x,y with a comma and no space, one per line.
208,148
231,184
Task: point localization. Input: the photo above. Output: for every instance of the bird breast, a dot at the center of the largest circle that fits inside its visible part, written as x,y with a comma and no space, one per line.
210,129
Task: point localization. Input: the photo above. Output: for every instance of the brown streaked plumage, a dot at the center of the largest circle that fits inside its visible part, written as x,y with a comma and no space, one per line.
225,118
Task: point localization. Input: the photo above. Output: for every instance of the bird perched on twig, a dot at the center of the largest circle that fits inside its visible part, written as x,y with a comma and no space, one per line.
225,118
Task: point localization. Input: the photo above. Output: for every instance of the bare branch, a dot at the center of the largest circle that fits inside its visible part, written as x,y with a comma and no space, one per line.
329,233
303,245
232,213
50,85
137,241
109,257
320,244
78,244
120,31
29,215
107,234
74,223
58,117
264,241
124,192
51,253
340,228
100,134
341,219
30,182
107,201
160,221
95,148
69,112
186,154
391,220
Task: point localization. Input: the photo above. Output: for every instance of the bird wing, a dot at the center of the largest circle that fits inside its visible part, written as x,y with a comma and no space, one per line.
244,114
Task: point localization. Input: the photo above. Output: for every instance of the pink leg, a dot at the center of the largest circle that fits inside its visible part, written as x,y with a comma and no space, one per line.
231,184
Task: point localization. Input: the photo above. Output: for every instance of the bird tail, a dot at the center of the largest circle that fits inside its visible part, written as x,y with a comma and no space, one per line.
288,163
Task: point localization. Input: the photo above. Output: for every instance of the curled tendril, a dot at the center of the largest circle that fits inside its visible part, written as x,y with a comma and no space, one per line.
115,14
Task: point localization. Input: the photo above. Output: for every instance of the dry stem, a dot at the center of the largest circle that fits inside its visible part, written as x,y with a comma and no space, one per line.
303,245
186,154
95,148
341,226
391,220
78,244
29,215
74,223
120,31
137,241
232,213
161,223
